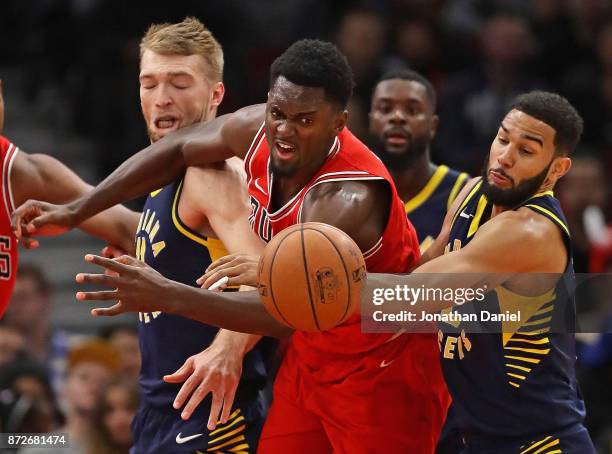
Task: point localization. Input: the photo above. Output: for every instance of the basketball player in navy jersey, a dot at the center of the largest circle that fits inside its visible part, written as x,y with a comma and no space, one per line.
183,228
403,122
514,391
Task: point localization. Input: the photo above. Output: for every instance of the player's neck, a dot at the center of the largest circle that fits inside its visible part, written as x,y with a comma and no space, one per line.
498,209
411,180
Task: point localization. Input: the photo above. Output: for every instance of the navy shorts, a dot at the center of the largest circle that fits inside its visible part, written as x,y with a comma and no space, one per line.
573,440
450,441
163,431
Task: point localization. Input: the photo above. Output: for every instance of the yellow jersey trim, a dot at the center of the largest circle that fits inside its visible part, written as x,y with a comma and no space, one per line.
482,204
542,194
466,200
455,190
215,247
522,358
514,366
427,191
552,215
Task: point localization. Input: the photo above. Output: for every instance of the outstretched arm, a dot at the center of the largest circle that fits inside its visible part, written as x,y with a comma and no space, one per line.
139,288
360,208
513,242
44,177
158,165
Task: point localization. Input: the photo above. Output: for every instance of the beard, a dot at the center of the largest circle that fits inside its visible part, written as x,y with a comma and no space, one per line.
283,171
517,194
399,160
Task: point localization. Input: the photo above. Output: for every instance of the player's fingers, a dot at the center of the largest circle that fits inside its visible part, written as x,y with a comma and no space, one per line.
28,243
104,295
16,223
102,279
41,220
239,279
215,409
22,216
221,261
181,373
228,402
210,278
107,311
196,398
236,274
111,252
111,264
187,389
128,260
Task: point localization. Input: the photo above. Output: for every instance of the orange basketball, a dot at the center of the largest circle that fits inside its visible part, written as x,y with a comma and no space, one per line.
310,276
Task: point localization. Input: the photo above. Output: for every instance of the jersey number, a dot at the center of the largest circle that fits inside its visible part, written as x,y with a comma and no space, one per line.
259,221
5,257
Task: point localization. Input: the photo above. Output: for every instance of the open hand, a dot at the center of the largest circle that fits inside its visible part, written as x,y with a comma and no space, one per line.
216,370
137,286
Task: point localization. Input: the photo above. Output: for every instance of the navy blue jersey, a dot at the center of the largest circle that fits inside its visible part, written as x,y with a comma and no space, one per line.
518,380
166,341
427,209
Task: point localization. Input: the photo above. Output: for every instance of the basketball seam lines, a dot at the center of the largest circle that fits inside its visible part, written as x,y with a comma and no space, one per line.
314,312
272,288
348,280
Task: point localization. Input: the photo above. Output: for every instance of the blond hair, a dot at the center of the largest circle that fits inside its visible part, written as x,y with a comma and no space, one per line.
189,37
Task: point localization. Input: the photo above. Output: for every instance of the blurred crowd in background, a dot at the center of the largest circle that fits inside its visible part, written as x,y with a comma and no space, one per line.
74,64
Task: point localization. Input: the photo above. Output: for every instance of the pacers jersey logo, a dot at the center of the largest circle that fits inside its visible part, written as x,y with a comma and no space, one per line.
147,247
147,230
453,347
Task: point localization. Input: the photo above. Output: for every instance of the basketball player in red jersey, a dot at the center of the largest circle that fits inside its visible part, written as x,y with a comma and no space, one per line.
338,391
25,176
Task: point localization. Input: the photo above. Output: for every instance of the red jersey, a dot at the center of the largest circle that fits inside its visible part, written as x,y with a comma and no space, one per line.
8,242
331,383
397,251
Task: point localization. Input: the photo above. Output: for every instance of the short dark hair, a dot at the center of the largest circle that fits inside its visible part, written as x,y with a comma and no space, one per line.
413,76
556,112
314,63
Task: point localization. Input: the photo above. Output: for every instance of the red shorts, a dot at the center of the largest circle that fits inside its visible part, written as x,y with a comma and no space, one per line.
388,402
